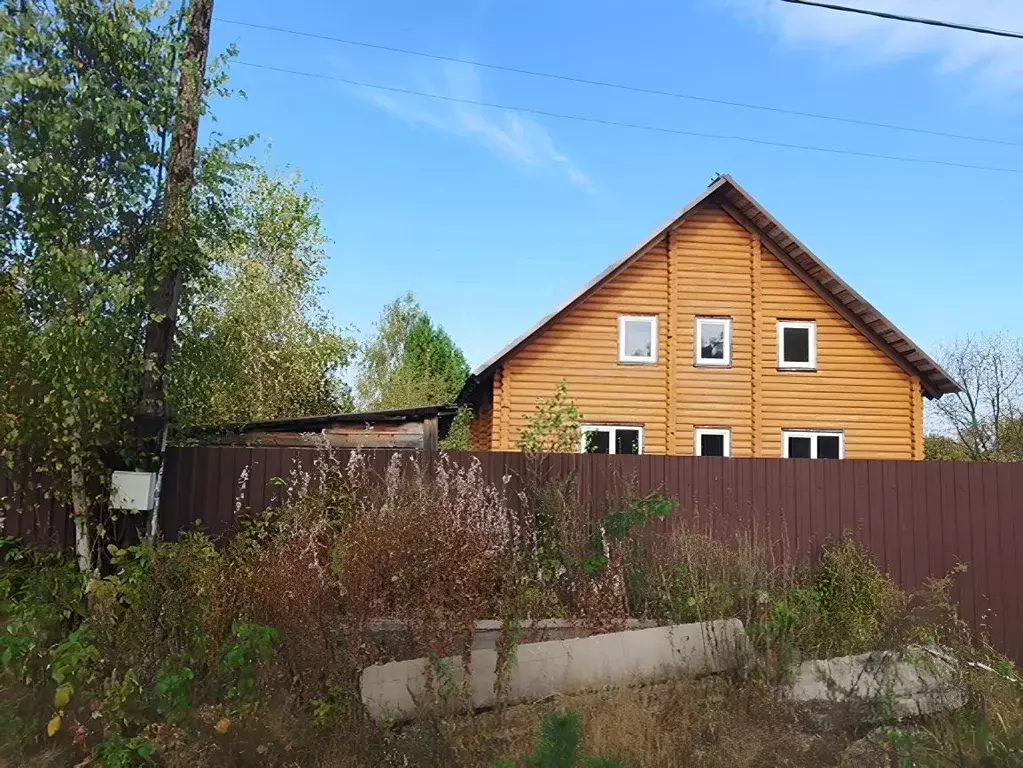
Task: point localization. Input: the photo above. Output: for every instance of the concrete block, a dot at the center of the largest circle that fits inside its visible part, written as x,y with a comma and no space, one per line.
539,670
889,684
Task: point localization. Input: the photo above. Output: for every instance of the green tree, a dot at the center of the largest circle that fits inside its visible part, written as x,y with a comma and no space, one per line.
254,341
88,92
409,361
944,448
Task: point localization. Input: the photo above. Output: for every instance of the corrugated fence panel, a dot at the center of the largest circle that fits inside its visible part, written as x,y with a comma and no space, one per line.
920,519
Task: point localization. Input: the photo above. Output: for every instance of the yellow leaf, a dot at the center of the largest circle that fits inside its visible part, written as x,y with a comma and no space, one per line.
223,725
53,726
63,695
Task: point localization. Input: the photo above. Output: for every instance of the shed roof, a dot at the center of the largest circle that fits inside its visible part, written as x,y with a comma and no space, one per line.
726,192
316,423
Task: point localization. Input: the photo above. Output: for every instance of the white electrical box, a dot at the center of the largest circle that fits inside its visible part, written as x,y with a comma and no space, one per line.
133,490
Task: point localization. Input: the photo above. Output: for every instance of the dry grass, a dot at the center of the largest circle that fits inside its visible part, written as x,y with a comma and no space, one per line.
707,722
696,574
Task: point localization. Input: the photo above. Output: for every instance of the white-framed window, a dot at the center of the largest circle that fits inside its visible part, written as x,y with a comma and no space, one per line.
713,441
797,345
612,438
812,445
713,342
637,339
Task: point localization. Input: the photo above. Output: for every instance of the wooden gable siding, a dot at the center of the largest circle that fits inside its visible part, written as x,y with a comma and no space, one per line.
856,388
581,349
712,266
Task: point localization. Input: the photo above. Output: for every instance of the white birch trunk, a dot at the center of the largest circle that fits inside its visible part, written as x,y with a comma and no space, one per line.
153,518
83,526
80,507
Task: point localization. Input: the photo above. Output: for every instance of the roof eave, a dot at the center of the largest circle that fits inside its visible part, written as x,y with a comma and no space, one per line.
934,389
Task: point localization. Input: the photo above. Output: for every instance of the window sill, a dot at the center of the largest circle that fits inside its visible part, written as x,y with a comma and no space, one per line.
648,363
796,369
712,366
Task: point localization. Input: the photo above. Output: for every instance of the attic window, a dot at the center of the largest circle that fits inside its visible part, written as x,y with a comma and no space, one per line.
637,339
797,345
714,341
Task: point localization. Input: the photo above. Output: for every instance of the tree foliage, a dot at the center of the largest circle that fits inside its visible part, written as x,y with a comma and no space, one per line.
553,427
985,420
944,448
409,361
85,94
255,342
87,102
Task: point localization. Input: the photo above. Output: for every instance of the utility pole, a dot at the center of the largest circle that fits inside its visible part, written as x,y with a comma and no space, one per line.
171,248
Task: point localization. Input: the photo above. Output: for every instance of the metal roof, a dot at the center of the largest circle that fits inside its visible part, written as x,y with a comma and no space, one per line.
725,190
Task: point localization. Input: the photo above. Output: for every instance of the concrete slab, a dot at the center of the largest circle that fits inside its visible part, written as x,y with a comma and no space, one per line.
539,670
889,684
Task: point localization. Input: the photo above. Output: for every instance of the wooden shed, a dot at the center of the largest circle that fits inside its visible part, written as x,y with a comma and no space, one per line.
410,428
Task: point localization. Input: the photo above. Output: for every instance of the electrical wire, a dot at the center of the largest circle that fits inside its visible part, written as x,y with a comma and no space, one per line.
624,87
635,126
910,19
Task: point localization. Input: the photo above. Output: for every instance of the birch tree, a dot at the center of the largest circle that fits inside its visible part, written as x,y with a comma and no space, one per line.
255,341
88,92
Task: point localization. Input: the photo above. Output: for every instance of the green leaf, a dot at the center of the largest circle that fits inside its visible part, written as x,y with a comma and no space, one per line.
63,695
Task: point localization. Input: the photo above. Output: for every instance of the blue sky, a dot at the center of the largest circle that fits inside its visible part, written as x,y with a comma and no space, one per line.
493,217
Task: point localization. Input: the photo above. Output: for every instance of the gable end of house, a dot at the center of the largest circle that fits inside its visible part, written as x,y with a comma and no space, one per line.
727,195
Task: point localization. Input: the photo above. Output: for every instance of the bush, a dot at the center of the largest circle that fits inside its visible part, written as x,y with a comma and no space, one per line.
153,612
844,605
435,547
251,646
41,599
694,576
856,601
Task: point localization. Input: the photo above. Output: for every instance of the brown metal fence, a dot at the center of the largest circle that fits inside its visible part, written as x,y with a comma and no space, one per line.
919,518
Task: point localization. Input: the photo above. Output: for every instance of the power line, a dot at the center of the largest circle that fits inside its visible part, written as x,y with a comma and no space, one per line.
624,87
635,126
910,19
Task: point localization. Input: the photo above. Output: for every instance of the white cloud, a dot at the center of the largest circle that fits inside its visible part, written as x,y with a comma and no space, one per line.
504,132
997,61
